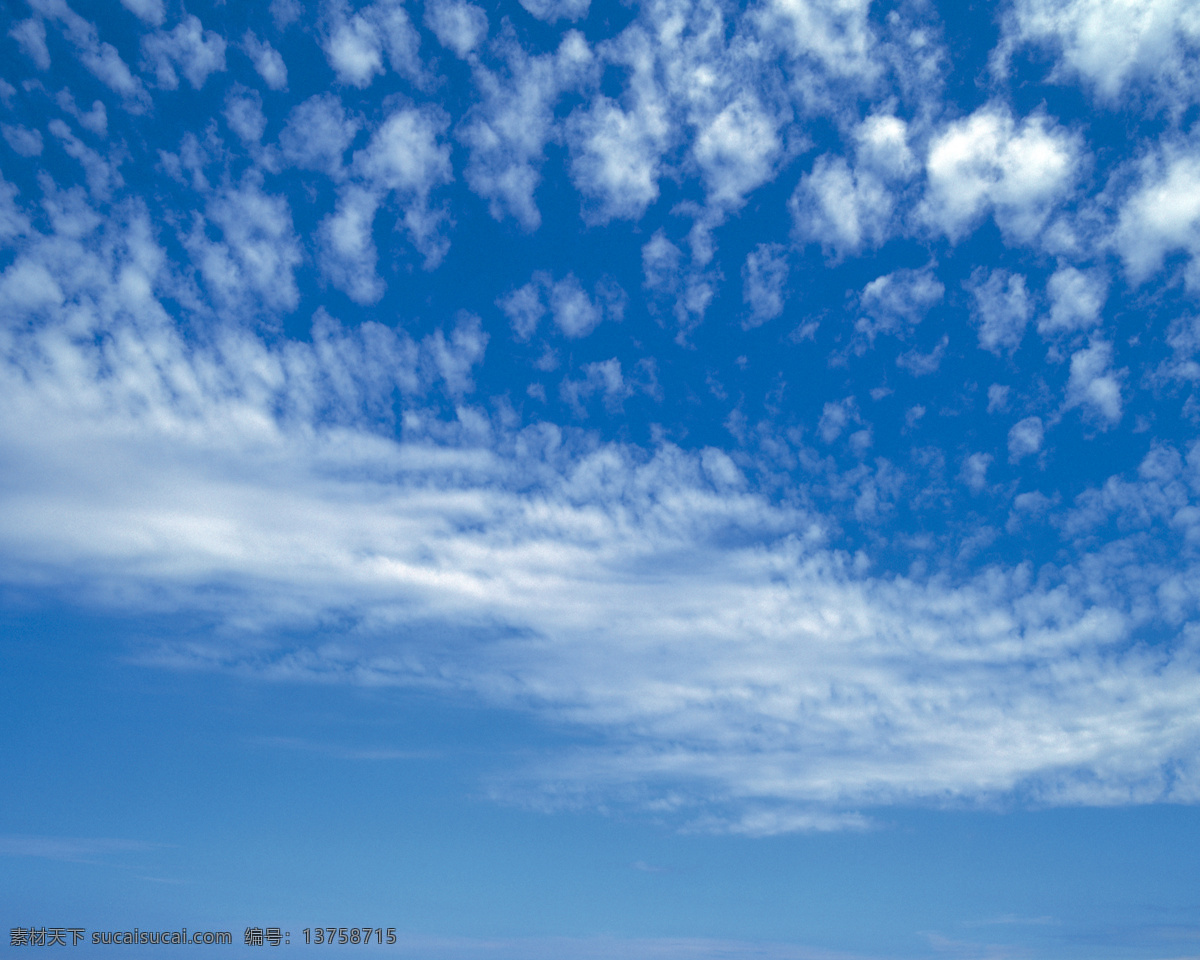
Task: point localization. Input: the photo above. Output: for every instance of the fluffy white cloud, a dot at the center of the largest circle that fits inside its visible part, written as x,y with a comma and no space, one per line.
407,157
1112,43
26,142
974,471
243,113
195,51
989,163
617,156
1076,299
736,151
13,221
834,33
551,10
998,397
151,11
355,51
526,305
1002,308
836,417
575,313
602,378
267,61
897,302
764,277
1025,438
881,145
31,38
347,252
922,364
689,290
356,45
1093,384
101,58
103,175
1162,215
618,145
317,134
757,679
459,26
841,209
507,130
573,310
252,264
95,119
661,263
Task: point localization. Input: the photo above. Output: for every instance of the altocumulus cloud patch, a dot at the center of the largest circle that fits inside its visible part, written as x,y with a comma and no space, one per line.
808,429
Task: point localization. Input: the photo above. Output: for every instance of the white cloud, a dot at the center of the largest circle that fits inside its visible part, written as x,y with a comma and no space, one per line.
897,302
759,679
690,290
405,154
617,157
455,358
764,277
267,61
1025,438
662,264
459,26
1076,299
103,175
922,364
506,132
604,378
317,134
285,12
1162,215
191,48
988,163
841,209
998,398
882,146
26,142
407,157
243,113
150,11
95,119
617,147
100,58
736,151
551,10
1113,43
836,417
573,310
355,51
974,471
69,849
575,313
834,33
1094,384
254,260
13,222
714,649
1002,308
31,38
526,305
356,45
347,252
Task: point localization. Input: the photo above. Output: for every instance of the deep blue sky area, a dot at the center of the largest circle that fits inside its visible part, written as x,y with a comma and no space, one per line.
569,479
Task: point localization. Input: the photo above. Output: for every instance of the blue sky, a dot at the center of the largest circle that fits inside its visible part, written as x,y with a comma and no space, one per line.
564,479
